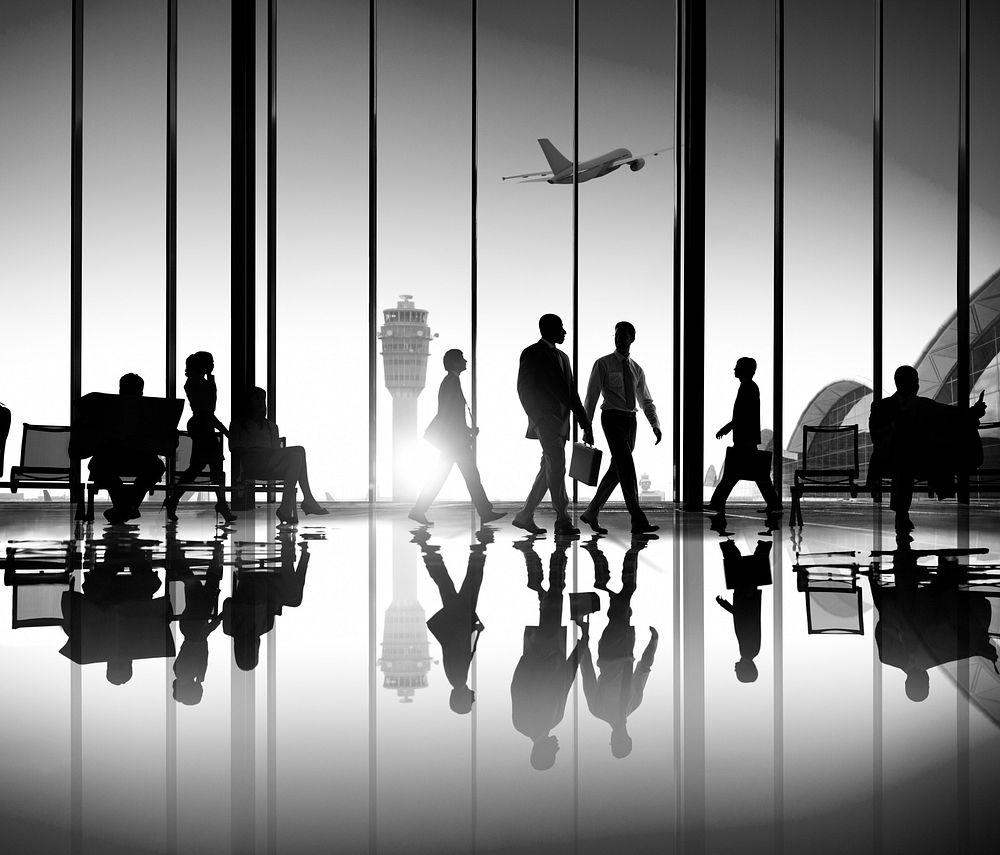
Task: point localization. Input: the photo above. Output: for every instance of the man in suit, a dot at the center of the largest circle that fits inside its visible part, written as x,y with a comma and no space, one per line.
547,389
915,437
622,383
745,427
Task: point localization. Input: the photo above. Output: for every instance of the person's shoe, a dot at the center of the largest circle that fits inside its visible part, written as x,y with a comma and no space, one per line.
313,508
491,516
132,514
715,509
224,511
645,529
286,518
116,516
773,510
565,528
528,525
592,522
170,506
418,517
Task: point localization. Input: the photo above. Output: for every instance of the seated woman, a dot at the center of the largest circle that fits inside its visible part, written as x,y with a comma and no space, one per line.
255,440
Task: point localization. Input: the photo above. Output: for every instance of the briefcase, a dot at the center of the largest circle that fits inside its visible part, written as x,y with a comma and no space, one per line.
585,464
747,464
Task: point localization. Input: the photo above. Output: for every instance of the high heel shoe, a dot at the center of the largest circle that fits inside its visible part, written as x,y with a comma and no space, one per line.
313,507
170,506
224,511
286,519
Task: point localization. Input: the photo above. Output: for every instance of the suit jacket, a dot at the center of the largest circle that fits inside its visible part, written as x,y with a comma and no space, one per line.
449,429
746,415
547,389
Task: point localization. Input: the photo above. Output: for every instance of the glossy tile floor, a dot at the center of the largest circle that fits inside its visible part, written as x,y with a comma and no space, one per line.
314,706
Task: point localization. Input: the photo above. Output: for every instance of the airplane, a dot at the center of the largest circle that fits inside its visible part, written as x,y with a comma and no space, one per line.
561,171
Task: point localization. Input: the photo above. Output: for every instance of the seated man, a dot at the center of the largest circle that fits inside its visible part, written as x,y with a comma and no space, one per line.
114,431
917,438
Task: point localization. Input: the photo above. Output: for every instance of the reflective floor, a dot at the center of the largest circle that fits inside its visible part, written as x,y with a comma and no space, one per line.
350,686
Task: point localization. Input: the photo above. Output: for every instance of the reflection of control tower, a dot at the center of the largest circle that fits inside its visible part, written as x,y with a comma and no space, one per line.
405,346
405,650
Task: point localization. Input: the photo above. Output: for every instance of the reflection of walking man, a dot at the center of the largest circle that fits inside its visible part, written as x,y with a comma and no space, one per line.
622,383
547,389
745,427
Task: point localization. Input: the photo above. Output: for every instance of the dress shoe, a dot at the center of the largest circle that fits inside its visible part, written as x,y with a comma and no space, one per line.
418,517
491,516
224,511
565,528
313,508
645,529
527,525
773,510
592,522
116,516
170,506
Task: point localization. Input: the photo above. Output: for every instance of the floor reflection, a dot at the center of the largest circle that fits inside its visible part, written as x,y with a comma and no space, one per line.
559,694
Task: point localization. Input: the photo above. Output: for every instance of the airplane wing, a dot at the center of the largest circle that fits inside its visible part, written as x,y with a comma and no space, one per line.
529,176
623,160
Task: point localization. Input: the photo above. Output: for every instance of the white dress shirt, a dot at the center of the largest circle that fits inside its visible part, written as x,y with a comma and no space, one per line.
607,378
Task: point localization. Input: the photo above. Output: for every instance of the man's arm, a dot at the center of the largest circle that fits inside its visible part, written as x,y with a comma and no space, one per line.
645,401
594,387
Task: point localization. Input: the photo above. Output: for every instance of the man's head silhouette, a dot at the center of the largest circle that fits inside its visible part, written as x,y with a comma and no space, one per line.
918,685
551,328
131,384
746,367
906,379
454,360
543,753
461,700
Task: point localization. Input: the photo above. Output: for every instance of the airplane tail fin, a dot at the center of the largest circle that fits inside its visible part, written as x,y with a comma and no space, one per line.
557,163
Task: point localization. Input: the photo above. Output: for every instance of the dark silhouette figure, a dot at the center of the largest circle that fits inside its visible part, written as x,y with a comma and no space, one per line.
4,432
917,438
745,574
123,435
622,384
547,389
450,433
256,441
260,596
544,675
616,692
115,618
199,619
456,626
206,447
745,427
925,624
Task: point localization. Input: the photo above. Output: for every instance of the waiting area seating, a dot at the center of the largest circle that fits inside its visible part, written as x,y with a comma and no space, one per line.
45,463
813,477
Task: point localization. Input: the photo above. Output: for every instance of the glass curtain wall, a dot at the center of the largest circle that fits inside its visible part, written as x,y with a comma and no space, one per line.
322,241
124,156
34,218
739,199
525,229
626,218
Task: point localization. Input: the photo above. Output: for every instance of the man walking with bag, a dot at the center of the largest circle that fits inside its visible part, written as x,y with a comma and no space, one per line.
743,461
547,390
622,383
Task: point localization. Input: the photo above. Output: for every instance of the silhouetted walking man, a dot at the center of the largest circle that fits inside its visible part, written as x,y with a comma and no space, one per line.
916,437
622,384
456,625
544,675
745,427
745,573
547,390
451,434
617,691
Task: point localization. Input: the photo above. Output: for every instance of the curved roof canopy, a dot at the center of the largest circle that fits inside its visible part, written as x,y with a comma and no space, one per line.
827,398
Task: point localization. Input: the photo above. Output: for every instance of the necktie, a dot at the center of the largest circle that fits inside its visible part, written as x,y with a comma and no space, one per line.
629,384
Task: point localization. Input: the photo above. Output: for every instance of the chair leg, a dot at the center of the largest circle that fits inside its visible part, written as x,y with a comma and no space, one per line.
90,502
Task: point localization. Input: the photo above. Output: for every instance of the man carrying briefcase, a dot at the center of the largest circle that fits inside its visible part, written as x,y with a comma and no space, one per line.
622,383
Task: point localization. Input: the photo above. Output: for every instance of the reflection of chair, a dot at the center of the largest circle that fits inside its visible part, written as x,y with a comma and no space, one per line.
839,442
833,600
39,578
45,462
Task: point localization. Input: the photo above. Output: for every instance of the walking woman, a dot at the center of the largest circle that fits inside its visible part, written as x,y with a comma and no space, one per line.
206,446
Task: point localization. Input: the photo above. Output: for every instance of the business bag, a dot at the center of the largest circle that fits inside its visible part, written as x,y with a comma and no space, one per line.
747,464
585,465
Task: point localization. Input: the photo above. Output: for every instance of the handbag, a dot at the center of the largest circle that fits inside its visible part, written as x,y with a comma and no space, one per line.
747,464
438,435
585,464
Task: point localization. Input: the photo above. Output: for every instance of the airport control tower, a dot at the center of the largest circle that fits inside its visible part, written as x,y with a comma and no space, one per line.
406,341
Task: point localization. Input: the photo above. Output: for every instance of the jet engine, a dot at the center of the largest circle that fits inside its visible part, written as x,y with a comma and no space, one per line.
637,164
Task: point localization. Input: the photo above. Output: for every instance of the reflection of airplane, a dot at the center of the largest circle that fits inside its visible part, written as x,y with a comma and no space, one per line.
562,169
